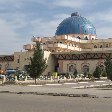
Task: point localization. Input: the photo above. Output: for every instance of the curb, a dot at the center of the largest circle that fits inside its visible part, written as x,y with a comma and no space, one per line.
53,94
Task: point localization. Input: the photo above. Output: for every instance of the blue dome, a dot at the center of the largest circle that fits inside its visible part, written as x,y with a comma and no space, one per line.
75,25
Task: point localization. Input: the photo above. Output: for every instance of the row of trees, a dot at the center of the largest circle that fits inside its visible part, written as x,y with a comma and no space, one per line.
38,66
107,71
99,71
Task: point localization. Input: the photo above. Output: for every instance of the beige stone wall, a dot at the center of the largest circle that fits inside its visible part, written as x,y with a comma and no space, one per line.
79,64
21,59
24,59
6,65
50,62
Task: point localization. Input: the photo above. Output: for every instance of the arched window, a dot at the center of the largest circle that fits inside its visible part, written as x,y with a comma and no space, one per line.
101,46
71,67
85,68
106,45
95,46
86,38
78,37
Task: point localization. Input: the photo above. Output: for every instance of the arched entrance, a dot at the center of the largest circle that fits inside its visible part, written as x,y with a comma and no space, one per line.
85,68
71,67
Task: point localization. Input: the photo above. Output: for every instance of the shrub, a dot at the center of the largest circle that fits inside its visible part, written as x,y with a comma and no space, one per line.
97,72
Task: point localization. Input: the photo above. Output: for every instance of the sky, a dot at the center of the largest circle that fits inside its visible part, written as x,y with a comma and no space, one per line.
20,20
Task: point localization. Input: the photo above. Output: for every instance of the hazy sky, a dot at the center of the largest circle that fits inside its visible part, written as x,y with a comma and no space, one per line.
20,20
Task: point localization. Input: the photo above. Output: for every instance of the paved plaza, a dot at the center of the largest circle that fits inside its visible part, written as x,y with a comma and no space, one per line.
57,97
91,88
39,103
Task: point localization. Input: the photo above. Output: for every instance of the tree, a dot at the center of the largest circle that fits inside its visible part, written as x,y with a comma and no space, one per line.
75,73
104,74
108,68
38,63
97,72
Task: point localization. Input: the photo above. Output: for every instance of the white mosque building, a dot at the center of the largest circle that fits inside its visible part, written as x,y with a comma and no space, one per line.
75,46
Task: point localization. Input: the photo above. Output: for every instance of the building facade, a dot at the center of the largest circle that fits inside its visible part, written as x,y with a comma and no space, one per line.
75,46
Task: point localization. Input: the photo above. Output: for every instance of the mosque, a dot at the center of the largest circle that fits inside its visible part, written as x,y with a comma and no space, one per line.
75,46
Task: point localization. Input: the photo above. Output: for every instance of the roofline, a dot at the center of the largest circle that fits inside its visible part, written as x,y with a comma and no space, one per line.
6,55
81,52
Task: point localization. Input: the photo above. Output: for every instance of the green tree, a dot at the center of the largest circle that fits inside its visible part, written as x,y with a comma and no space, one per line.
75,73
104,74
108,68
97,72
38,63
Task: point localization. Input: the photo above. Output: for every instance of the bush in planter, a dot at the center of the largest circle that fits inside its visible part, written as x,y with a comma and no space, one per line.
97,72
104,74
108,68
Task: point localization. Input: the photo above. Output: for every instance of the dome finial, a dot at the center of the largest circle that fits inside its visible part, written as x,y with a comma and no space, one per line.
75,14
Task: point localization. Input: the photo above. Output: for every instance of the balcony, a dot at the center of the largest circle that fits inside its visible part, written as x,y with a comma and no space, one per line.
28,47
64,46
70,38
97,49
97,41
85,41
81,41
59,45
77,49
93,49
76,39
107,49
71,47
62,37
85,49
